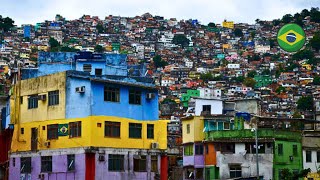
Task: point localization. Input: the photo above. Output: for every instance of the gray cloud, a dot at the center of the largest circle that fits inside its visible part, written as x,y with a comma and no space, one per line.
32,11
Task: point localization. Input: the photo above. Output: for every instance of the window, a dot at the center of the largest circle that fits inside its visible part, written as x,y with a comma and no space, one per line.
53,98
21,99
46,164
235,171
206,108
25,165
111,94
154,163
135,130
207,148
199,149
318,156
188,150
52,132
188,128
140,163
199,173
308,156
75,129
13,162
134,97
150,131
112,129
115,162
98,72
22,130
226,126
87,67
33,102
71,162
280,149
295,150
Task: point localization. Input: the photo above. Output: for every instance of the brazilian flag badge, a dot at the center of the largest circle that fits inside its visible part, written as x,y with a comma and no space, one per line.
291,37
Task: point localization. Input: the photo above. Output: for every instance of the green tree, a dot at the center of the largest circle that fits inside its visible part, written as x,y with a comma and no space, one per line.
98,48
249,82
6,23
54,45
211,24
296,114
314,61
315,42
158,62
305,103
315,15
316,80
287,18
180,39
238,32
276,22
303,54
206,77
239,79
67,49
251,74
280,90
266,72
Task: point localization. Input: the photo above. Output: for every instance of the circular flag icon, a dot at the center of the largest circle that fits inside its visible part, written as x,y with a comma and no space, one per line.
291,37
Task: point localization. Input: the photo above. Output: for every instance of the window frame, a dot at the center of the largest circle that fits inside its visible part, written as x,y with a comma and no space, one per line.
318,156
75,129
70,158
98,70
188,128
111,94
150,131
27,162
235,169
86,68
52,131
46,163
280,150
135,97
188,150
154,163
114,160
135,130
53,97
112,129
140,164
206,108
33,101
308,156
198,149
295,150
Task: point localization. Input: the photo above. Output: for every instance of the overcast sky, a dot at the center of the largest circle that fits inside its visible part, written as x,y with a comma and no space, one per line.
33,11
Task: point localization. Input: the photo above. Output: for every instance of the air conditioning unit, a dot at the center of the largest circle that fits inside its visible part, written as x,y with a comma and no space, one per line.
291,158
101,157
81,89
47,144
150,95
42,97
155,145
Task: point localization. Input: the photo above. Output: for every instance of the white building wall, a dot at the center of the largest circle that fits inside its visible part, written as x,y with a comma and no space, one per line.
216,106
313,164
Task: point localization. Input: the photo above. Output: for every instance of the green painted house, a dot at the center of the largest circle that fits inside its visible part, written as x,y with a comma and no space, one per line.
262,80
185,98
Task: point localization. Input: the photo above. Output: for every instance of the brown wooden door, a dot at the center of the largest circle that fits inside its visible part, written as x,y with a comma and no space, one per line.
34,139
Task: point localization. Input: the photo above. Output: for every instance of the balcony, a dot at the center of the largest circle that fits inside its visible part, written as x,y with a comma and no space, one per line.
247,134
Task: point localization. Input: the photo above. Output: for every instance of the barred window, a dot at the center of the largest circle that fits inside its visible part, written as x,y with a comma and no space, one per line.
111,94
115,162
46,164
33,102
134,97
75,129
53,98
52,131
135,130
112,129
25,165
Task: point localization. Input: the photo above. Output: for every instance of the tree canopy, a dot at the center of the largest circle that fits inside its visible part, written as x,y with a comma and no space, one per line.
305,103
6,23
180,39
54,45
98,48
238,32
158,62
315,42
249,82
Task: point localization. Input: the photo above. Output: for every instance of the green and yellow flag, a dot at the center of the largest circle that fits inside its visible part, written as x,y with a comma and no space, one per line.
291,37
63,129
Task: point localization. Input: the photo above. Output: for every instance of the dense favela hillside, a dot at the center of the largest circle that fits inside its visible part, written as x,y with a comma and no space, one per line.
146,97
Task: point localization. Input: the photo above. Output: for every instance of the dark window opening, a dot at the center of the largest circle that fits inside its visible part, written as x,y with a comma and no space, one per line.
25,165
52,132
115,162
46,164
150,131
112,129
140,163
87,67
135,130
98,72
75,129
53,98
111,94
33,102
71,162
134,97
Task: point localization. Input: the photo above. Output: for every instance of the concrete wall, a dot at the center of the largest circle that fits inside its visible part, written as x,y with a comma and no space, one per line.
216,106
247,105
248,164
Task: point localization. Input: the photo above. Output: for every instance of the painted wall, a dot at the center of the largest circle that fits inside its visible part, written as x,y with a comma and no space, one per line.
59,166
91,134
148,110
283,161
313,165
94,64
248,164
216,106
42,86
210,157
196,130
